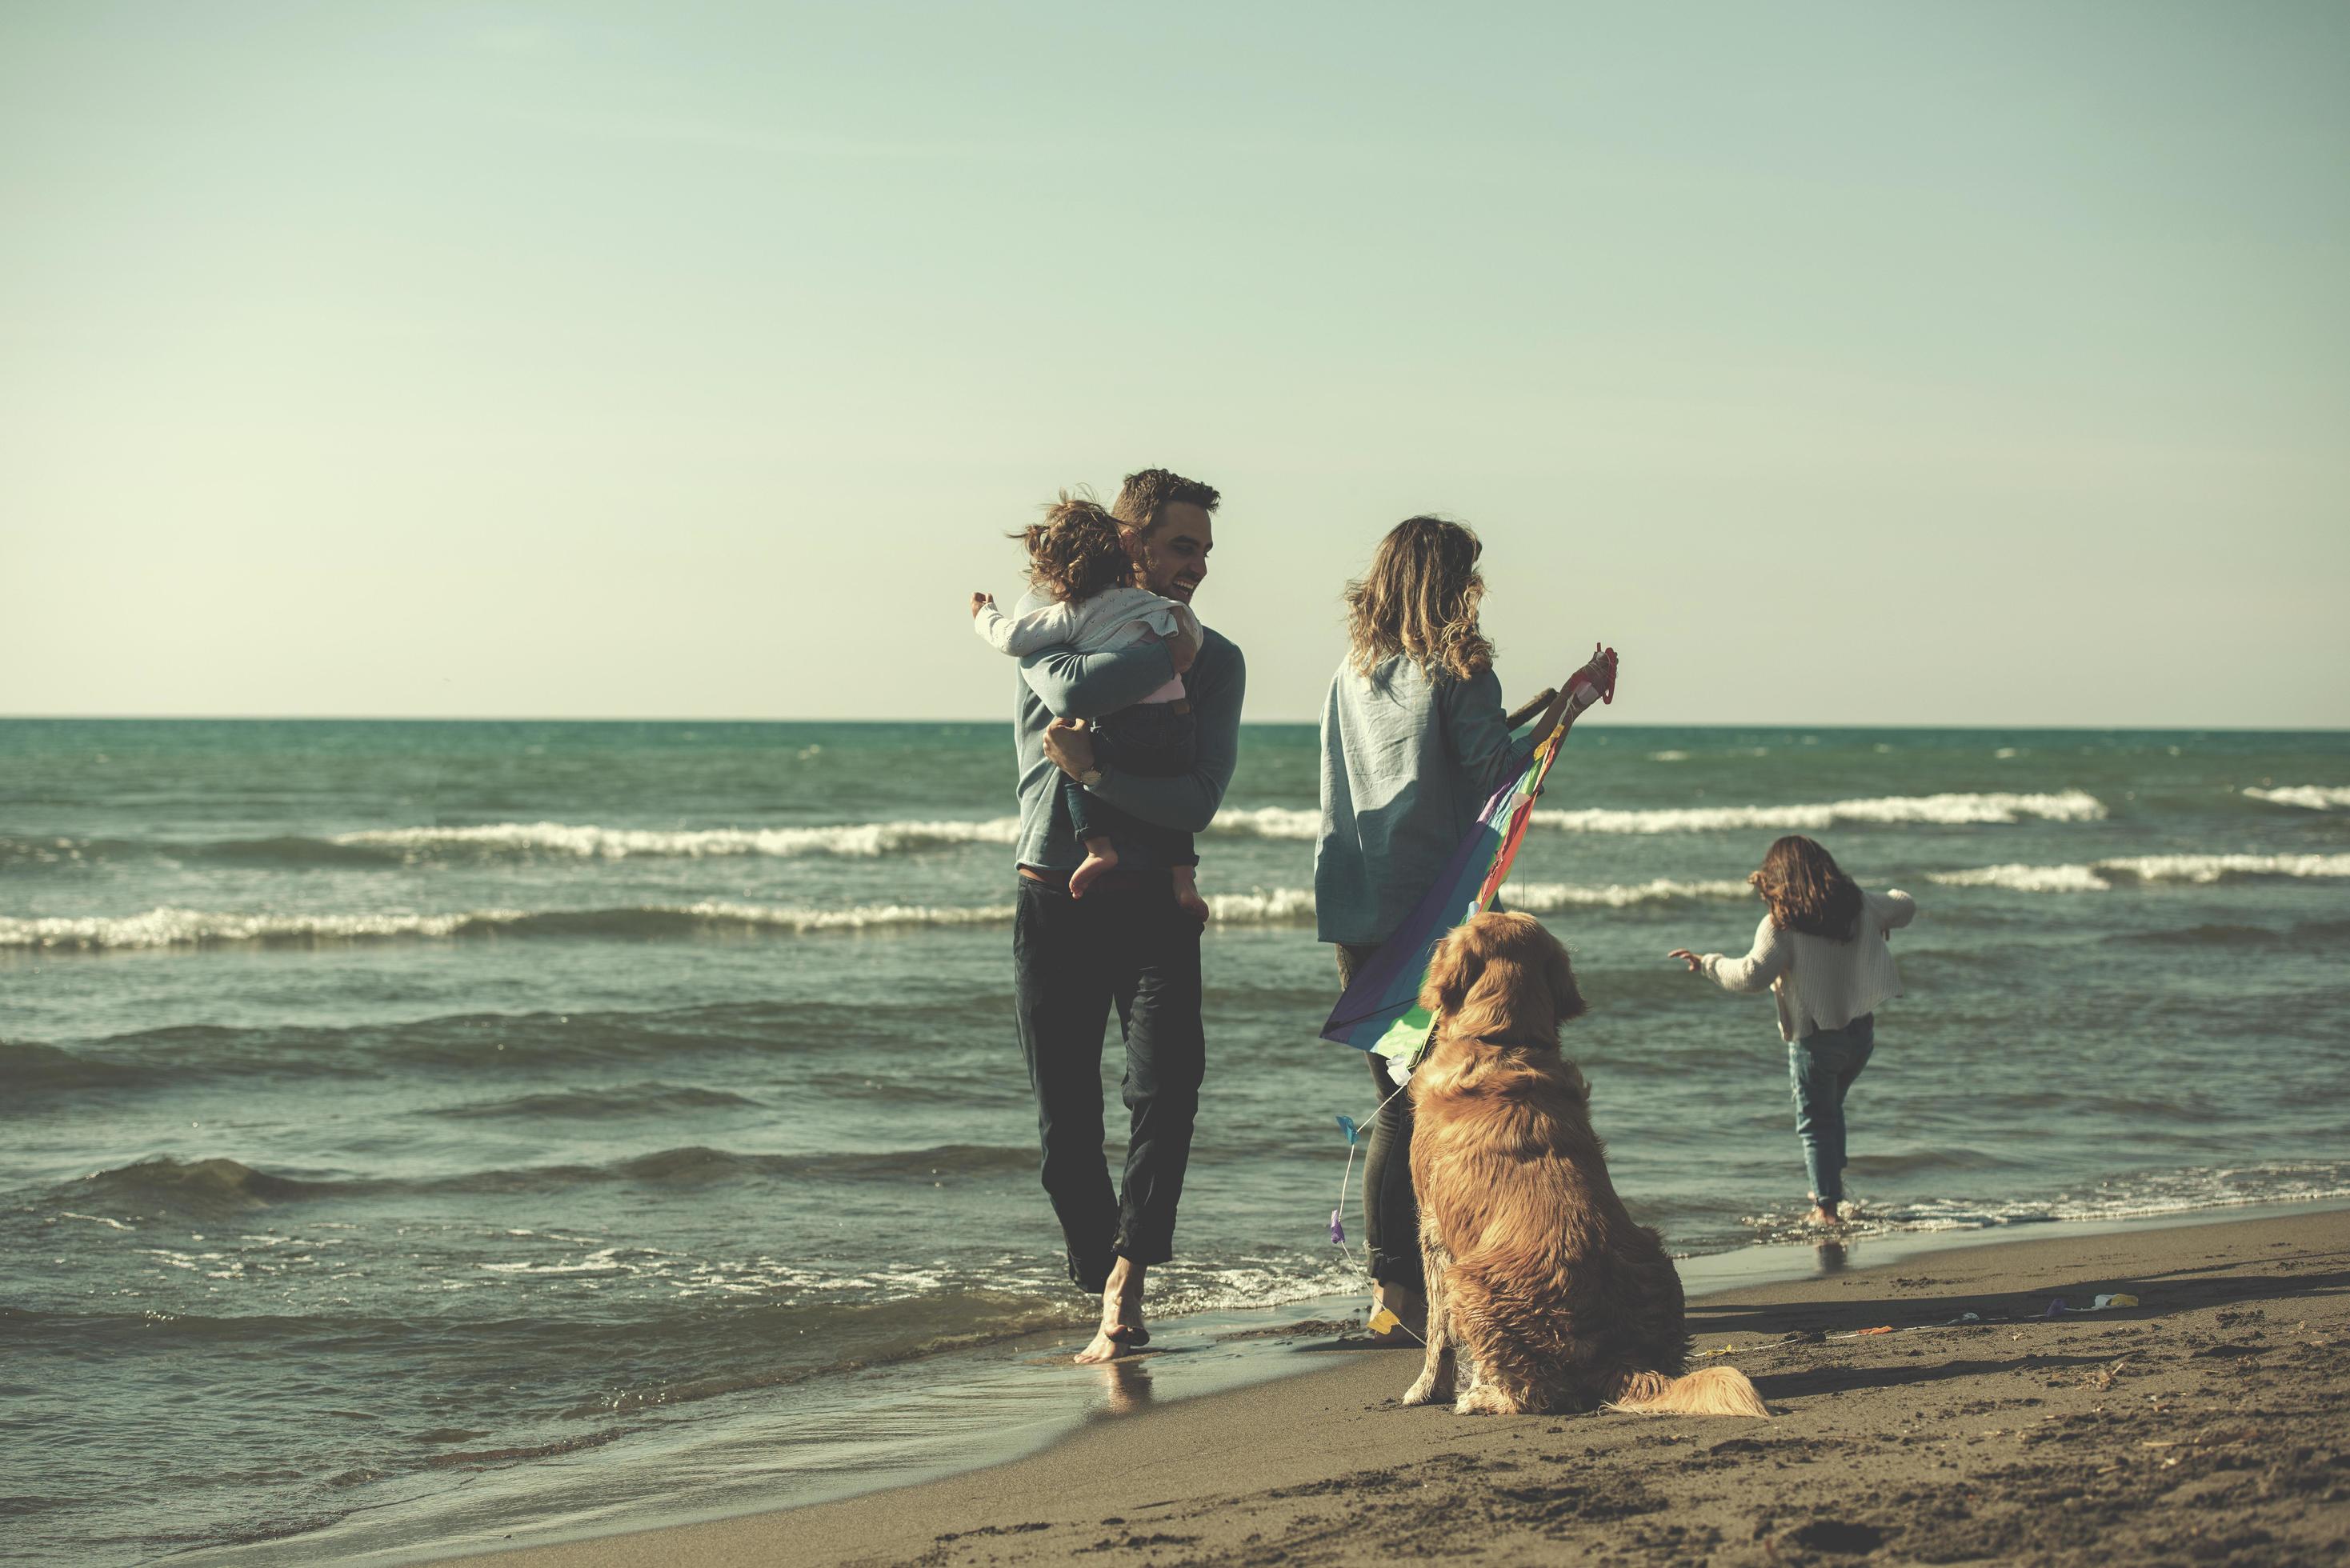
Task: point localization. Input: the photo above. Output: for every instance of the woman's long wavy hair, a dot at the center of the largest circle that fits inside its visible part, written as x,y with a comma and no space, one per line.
1077,551
1806,891
1420,598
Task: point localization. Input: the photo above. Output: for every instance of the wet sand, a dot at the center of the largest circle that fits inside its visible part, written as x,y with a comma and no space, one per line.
2211,1422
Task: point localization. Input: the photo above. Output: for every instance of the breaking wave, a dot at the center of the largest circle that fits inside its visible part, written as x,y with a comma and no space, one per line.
166,927
171,927
590,842
1953,810
2097,877
870,840
2026,878
1268,822
1540,897
179,927
2310,797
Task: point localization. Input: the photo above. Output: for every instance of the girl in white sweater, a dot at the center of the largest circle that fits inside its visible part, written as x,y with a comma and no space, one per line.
1821,950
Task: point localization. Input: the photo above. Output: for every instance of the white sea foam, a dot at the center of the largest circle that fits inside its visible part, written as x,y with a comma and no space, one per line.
1542,897
2019,878
861,917
172,928
1668,756
2097,875
1268,822
2310,797
1264,907
178,927
2213,868
167,927
1302,824
587,841
2141,1195
2070,806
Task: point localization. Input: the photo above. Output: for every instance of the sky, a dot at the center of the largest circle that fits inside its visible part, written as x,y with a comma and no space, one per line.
1839,363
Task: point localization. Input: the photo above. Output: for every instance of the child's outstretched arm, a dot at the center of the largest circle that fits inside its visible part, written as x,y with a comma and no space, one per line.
1772,952
1026,632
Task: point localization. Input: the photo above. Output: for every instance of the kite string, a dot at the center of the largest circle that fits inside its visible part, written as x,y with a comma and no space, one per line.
1347,1176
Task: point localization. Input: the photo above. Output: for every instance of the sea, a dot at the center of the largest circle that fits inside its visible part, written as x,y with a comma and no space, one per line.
420,1135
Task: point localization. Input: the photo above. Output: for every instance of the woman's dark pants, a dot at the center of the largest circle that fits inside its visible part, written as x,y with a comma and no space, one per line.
1125,943
1390,1212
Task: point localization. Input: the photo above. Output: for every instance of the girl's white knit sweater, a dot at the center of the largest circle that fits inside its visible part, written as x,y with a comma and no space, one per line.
1820,982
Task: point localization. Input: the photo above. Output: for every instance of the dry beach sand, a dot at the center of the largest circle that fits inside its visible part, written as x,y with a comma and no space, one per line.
2207,1424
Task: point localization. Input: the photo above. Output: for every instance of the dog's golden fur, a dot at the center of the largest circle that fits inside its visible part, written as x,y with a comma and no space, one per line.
1537,1277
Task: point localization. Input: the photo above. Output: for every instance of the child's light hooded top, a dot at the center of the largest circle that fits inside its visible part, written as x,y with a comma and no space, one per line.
1113,618
1819,982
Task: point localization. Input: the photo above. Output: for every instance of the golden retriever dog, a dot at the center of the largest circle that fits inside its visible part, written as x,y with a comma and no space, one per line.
1538,1280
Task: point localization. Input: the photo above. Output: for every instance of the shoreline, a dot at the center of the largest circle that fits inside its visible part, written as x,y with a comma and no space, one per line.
1268,1415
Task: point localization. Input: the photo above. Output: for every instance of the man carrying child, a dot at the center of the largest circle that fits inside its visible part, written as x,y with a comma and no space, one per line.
1126,941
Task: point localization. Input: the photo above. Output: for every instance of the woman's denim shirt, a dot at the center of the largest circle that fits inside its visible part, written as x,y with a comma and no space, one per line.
1406,765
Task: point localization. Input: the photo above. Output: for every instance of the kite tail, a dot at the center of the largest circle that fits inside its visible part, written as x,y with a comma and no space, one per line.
1715,1391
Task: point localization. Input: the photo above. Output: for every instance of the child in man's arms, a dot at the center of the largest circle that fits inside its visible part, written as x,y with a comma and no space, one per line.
1082,597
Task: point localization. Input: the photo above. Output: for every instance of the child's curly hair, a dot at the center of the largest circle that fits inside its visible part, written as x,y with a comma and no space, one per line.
1806,890
1077,551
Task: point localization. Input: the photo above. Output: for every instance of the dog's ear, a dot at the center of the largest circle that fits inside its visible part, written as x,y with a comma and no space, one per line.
1565,998
1452,971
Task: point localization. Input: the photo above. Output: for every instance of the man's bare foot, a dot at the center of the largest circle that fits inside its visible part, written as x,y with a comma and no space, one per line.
1122,1332
1826,1214
1187,895
1097,861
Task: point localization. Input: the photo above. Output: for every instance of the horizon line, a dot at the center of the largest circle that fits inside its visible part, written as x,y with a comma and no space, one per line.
1245,723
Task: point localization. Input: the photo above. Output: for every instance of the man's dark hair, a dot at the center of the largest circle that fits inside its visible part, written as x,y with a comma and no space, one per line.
1144,498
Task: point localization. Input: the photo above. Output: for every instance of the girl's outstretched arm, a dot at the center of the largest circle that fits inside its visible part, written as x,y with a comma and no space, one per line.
1769,959
1044,626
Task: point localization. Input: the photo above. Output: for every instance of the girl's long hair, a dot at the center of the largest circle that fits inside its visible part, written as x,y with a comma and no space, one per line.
1806,891
1077,551
1420,598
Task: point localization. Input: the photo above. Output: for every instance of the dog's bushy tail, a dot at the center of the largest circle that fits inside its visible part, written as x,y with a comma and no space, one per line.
1715,1391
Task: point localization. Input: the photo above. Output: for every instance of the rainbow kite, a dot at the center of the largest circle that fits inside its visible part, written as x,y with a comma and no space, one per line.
1380,1010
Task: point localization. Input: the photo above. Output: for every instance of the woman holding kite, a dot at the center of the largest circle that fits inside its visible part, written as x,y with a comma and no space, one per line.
1414,741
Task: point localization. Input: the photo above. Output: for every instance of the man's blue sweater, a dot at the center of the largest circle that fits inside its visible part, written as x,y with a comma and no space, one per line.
1057,683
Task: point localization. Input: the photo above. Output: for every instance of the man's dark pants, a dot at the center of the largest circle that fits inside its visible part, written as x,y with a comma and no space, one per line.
1128,944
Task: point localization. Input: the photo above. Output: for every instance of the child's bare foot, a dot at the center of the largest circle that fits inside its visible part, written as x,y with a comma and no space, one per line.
1122,1332
1187,895
1101,855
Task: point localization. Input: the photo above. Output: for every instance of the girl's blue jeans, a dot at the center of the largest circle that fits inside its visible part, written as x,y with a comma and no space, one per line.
1822,1067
